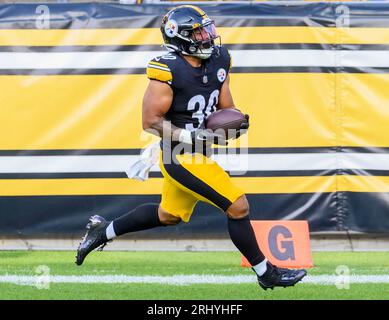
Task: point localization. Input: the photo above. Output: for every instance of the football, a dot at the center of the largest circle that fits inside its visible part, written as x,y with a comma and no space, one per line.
225,119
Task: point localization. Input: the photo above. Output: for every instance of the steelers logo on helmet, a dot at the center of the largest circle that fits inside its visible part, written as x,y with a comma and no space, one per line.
221,74
171,28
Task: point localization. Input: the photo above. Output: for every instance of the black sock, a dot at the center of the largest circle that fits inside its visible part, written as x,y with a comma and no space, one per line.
243,237
141,218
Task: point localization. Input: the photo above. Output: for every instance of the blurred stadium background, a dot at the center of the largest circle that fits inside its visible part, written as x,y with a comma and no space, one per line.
312,75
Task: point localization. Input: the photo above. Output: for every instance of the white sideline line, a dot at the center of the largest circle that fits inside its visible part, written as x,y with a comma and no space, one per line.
184,279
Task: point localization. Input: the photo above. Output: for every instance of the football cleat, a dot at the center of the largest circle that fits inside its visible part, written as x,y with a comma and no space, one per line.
280,277
95,237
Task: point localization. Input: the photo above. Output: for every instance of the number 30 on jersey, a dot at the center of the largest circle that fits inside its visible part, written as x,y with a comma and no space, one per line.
200,109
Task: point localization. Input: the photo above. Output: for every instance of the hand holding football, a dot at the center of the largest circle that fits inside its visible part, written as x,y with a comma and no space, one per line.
231,121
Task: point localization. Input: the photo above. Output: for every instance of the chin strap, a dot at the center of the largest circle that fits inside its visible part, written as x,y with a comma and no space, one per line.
201,55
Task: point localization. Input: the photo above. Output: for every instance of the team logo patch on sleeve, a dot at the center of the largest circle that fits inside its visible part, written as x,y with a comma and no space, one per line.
171,28
221,74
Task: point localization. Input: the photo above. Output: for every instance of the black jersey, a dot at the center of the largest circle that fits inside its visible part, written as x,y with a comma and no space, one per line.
195,90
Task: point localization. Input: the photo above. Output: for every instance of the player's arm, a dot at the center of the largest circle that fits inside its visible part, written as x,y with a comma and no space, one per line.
225,97
156,103
227,102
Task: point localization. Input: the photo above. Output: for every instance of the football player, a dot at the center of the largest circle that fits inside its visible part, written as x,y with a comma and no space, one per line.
186,85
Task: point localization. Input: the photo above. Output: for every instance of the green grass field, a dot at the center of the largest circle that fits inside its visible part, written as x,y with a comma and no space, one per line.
15,264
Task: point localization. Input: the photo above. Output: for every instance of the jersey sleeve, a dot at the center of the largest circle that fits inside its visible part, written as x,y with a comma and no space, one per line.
230,61
159,71
225,59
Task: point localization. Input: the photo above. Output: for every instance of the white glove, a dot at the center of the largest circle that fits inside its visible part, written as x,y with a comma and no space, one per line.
147,159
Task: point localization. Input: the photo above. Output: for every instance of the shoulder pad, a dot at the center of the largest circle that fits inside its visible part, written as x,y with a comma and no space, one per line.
158,70
225,56
229,55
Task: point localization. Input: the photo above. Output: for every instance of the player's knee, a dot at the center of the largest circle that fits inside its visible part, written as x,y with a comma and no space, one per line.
239,209
166,218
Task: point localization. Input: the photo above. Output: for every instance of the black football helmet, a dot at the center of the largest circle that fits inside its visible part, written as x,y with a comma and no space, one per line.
188,29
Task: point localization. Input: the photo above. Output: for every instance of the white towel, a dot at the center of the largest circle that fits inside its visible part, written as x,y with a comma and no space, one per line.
147,159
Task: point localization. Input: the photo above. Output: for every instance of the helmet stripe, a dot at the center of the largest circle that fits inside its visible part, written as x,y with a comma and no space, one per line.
201,12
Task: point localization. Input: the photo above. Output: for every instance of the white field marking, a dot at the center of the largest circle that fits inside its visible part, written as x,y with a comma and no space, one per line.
183,279
247,162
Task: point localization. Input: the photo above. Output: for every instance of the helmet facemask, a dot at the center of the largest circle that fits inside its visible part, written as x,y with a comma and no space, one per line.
201,40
